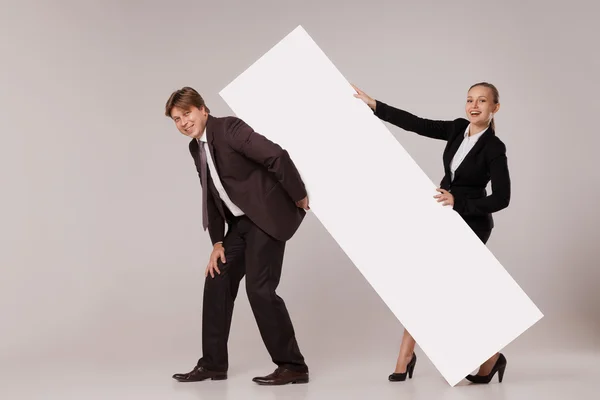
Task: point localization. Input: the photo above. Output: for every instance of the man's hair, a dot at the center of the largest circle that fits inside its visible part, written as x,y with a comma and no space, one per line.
184,98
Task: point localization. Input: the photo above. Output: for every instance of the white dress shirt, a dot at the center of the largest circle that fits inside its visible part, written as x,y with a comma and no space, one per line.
235,210
466,146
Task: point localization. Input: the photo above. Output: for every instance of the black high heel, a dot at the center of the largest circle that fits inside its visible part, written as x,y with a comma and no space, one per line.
410,369
499,367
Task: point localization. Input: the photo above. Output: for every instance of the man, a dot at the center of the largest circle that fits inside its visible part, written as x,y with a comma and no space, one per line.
251,184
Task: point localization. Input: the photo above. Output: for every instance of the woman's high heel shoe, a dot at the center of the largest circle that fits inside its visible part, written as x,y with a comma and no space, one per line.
499,367
410,368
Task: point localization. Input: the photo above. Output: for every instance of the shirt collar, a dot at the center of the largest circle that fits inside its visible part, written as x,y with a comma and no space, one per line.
203,137
475,136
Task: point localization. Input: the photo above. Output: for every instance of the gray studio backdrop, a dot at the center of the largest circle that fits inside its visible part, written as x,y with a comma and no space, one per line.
103,254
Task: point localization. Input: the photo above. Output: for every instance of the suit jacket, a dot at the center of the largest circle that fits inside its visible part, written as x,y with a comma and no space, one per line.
486,161
258,176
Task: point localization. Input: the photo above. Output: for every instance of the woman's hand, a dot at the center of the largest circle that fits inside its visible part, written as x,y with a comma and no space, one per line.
445,197
364,97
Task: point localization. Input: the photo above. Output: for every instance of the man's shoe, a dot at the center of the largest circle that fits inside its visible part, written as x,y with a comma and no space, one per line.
282,376
199,374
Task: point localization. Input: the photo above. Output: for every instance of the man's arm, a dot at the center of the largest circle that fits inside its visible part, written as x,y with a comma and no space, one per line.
242,138
216,223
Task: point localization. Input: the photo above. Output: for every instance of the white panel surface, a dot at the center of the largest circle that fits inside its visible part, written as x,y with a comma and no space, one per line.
439,280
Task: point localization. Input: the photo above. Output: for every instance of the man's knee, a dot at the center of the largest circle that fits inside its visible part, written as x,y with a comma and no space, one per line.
258,293
218,280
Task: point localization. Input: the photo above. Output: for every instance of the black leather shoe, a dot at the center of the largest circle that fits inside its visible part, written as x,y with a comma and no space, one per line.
282,376
200,374
499,367
410,368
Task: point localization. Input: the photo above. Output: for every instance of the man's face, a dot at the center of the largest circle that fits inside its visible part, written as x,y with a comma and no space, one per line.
190,122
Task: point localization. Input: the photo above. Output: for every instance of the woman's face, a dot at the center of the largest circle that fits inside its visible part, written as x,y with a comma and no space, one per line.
480,105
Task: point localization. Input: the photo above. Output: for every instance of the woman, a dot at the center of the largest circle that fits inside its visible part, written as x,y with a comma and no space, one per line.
473,156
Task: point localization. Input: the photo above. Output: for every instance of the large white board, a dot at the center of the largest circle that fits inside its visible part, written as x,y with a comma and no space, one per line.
440,281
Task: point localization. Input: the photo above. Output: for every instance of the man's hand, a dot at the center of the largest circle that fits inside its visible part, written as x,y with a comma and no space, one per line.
445,197
218,252
303,203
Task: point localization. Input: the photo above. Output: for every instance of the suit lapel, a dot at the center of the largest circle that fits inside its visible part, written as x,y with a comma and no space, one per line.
454,147
211,185
458,139
476,149
210,138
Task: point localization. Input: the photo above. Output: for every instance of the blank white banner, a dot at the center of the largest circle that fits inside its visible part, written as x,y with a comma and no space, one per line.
440,281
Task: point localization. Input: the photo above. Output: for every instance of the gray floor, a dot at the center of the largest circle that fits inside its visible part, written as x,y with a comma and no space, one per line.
572,376
548,362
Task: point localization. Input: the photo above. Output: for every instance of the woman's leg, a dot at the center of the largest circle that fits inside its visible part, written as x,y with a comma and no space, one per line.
486,367
407,348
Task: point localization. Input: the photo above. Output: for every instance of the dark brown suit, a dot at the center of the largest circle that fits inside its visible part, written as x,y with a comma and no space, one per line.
261,179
